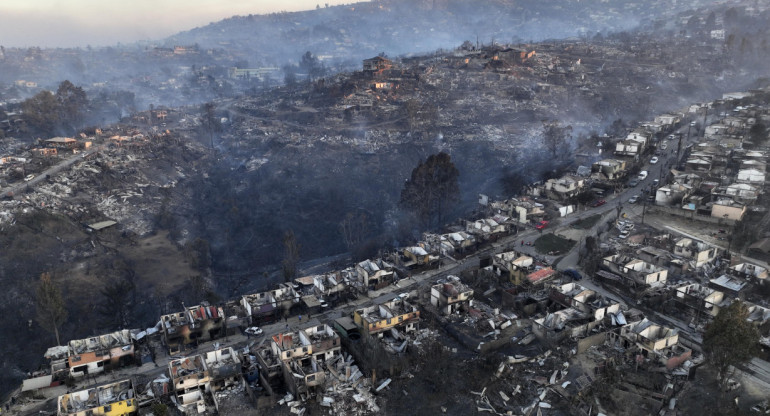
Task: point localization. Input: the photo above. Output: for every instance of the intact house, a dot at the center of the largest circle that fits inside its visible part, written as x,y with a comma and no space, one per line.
655,342
397,313
635,272
375,274
114,399
697,252
191,381
512,266
195,324
452,296
91,355
699,301
458,241
270,306
302,354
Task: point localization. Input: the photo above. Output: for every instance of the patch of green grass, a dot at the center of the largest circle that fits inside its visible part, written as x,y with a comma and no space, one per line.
587,222
551,243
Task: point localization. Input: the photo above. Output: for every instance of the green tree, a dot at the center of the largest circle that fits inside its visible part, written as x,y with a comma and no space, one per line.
432,189
290,256
730,339
51,311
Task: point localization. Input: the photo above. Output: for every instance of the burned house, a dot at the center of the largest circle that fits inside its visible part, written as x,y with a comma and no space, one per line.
195,324
563,188
750,272
608,169
654,342
512,266
699,301
377,65
580,311
452,296
114,399
374,275
191,382
62,143
417,256
396,313
226,382
301,369
522,210
635,272
270,306
486,229
697,252
732,286
92,355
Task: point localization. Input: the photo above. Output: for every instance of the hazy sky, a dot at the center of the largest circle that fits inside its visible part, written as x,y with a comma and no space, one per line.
64,23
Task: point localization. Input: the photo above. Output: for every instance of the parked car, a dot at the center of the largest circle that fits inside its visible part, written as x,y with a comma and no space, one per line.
664,145
654,160
29,178
642,175
541,225
574,274
633,182
253,330
598,203
624,234
634,199
655,182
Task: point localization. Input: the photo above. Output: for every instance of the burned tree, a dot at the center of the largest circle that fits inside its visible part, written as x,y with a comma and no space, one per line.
432,189
51,311
354,229
290,256
555,136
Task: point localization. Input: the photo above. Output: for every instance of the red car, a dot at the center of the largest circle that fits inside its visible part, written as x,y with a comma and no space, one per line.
598,203
541,225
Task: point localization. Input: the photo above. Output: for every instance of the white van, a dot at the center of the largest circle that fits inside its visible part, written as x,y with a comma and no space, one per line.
642,175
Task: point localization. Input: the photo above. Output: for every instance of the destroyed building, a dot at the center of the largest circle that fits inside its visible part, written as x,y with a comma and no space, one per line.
452,296
655,343
193,325
114,399
270,306
512,266
396,313
374,275
191,382
91,355
697,252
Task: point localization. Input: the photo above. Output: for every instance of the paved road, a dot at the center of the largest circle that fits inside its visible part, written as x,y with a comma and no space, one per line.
64,164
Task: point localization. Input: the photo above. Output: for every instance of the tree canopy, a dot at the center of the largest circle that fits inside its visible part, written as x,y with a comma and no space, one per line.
432,189
730,339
